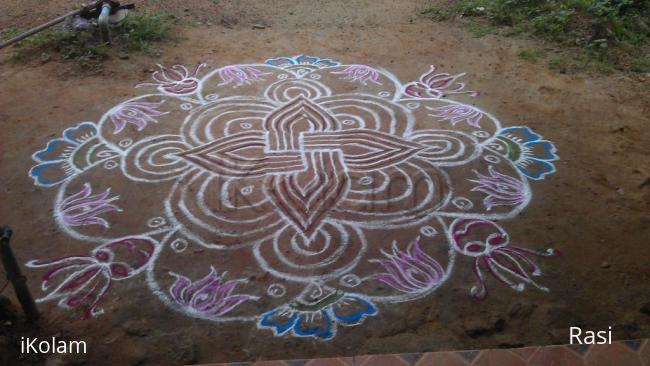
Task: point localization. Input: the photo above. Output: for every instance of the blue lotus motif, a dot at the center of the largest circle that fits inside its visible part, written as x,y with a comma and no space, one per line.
532,155
73,152
56,160
319,320
301,60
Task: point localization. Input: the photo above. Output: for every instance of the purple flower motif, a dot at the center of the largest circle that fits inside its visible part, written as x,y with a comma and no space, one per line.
137,113
501,190
489,245
176,79
239,75
82,208
456,113
82,281
410,271
361,73
436,85
209,296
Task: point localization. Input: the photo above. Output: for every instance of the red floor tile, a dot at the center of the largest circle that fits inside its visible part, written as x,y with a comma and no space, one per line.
632,353
384,360
610,355
525,353
644,354
342,361
498,358
441,358
556,356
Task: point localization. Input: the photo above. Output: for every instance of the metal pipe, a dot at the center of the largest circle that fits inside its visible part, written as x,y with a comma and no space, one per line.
15,276
103,23
39,28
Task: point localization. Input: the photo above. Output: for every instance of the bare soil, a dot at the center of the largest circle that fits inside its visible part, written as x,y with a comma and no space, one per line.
595,208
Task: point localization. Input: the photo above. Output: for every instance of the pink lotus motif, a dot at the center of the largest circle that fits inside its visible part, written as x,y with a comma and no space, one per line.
303,170
411,270
83,208
209,296
137,113
176,79
489,245
82,281
501,190
361,73
240,75
437,85
456,113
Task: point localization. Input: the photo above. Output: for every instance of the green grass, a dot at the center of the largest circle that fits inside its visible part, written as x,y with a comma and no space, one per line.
9,33
615,33
138,32
437,14
479,29
531,54
559,64
84,47
641,63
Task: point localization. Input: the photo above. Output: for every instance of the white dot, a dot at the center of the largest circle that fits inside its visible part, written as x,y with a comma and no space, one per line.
413,105
366,181
247,190
462,203
179,245
428,231
350,280
492,159
156,222
276,290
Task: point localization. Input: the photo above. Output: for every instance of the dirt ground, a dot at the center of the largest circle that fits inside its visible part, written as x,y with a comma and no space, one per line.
595,209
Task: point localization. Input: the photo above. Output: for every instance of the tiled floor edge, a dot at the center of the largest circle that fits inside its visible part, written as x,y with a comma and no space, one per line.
620,353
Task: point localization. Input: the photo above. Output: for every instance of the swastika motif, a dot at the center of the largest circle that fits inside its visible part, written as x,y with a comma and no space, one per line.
300,194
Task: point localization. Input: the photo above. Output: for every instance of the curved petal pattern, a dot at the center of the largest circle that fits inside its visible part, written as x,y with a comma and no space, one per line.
346,188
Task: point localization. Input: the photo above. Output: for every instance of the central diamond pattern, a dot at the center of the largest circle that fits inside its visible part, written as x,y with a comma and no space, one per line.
307,157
